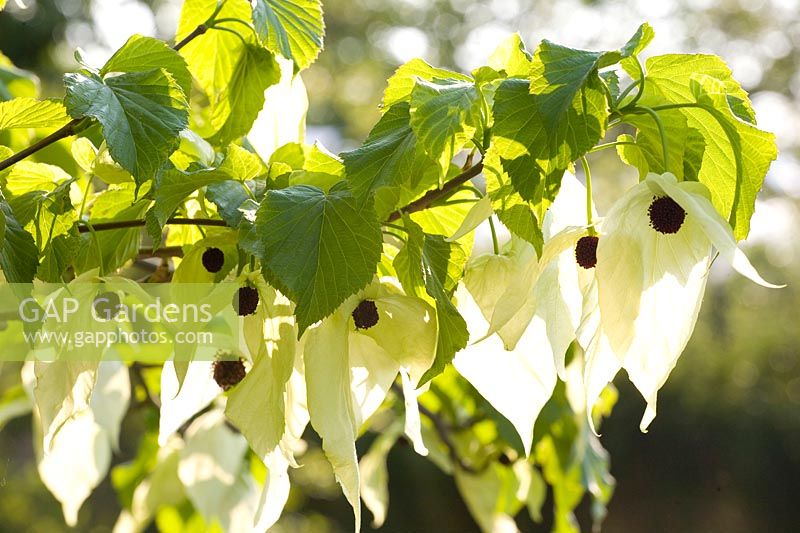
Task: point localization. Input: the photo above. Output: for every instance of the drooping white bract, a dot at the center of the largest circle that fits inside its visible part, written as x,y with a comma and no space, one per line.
531,309
349,371
651,283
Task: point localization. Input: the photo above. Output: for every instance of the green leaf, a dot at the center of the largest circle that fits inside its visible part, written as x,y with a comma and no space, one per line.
557,75
402,82
430,267
27,176
32,113
228,196
648,143
141,54
142,114
19,256
236,107
111,249
292,29
445,116
390,162
511,57
723,147
57,257
211,57
516,213
173,187
233,71
319,168
532,154
317,248
15,82
644,36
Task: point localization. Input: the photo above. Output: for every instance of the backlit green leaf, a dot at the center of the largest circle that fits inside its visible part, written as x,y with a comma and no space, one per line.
430,267
32,113
141,54
292,29
389,161
142,114
445,115
724,148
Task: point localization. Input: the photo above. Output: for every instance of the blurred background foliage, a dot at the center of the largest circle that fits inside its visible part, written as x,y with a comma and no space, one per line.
724,452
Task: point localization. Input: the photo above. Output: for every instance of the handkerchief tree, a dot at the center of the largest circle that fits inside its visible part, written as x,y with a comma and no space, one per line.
368,303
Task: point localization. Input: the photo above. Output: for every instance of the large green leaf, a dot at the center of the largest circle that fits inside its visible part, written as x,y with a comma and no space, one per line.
140,54
402,82
557,76
173,186
292,29
428,266
723,147
142,114
233,71
32,113
111,249
389,161
211,57
445,116
534,147
541,127
317,248
236,107
19,256
516,213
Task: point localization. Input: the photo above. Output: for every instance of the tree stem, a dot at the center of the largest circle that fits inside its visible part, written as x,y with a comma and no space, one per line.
434,195
197,32
123,224
65,131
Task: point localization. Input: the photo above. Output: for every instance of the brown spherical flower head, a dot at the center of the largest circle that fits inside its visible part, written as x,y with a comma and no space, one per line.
228,372
666,216
586,251
245,301
213,259
365,315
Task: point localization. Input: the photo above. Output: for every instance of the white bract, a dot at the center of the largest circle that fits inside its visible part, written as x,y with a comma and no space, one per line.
531,309
349,371
650,284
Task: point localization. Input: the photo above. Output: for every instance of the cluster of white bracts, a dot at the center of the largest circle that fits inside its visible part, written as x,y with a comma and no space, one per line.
635,310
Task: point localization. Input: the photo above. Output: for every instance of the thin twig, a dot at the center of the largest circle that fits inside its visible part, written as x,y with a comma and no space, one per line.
197,32
443,430
167,251
67,130
122,224
426,200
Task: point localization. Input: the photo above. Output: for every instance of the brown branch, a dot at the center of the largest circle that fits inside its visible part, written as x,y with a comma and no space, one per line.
167,251
426,200
70,128
67,130
197,32
122,224
442,429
